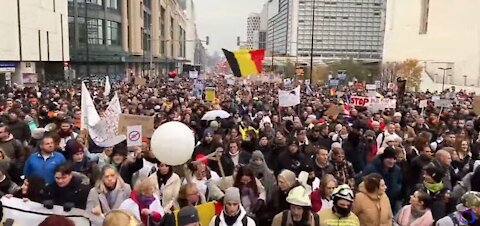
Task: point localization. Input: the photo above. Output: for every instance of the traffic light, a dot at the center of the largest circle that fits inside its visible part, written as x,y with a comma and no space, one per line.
238,40
207,40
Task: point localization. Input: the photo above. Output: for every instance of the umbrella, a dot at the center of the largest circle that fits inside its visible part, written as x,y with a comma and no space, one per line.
212,115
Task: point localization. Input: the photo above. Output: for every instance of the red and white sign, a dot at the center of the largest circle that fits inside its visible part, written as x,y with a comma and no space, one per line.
359,101
134,136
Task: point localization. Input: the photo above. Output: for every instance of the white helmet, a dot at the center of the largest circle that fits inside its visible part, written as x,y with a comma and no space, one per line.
343,192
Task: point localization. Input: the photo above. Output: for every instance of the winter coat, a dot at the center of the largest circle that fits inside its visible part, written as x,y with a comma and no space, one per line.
404,218
167,193
127,169
372,209
392,177
97,196
294,162
318,200
243,213
277,220
75,192
462,187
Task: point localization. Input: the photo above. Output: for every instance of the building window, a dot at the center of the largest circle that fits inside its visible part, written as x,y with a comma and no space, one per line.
112,4
96,2
95,31
82,32
424,16
71,31
162,30
113,33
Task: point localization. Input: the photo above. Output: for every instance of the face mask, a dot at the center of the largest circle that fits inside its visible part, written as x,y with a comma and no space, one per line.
436,187
342,212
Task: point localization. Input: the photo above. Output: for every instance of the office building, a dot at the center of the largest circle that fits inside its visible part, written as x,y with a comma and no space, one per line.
440,34
34,41
342,29
253,27
125,37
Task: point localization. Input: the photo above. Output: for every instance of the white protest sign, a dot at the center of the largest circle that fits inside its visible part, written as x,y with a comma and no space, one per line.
443,103
371,87
134,136
32,213
193,74
372,93
435,98
289,98
423,103
384,102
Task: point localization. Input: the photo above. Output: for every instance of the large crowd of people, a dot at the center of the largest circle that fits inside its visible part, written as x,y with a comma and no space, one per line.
271,165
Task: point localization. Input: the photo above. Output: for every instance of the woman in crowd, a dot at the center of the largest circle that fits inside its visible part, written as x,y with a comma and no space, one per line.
167,185
109,193
371,204
143,204
417,213
321,197
261,171
33,189
202,174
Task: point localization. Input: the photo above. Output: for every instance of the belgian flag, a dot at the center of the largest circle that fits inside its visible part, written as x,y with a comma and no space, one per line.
245,62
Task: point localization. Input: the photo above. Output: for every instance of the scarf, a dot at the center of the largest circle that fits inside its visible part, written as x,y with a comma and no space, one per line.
162,179
434,187
248,196
407,217
230,220
112,196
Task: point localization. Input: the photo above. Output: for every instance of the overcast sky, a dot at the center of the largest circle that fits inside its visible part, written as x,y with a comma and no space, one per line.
224,20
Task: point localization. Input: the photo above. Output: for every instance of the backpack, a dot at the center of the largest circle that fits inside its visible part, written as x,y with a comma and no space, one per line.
316,218
244,221
454,219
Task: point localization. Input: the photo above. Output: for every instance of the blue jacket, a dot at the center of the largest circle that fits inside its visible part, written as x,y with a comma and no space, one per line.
37,165
392,178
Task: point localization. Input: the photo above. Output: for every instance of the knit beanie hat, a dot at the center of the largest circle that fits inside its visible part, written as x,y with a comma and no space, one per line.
187,215
232,194
289,177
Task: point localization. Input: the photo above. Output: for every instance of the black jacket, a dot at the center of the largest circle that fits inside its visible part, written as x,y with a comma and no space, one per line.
75,192
295,162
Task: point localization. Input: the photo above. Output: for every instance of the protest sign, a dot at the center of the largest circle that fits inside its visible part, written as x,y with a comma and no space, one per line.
140,81
193,74
443,103
289,98
359,101
423,104
210,93
132,120
333,111
476,105
33,213
134,136
371,87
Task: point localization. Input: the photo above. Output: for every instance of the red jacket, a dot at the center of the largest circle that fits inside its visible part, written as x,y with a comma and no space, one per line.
316,198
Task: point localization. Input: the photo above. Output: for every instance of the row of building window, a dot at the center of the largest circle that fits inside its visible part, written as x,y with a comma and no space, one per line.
97,31
111,4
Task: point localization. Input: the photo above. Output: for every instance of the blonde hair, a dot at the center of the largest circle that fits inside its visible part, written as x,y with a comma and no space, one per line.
120,218
143,184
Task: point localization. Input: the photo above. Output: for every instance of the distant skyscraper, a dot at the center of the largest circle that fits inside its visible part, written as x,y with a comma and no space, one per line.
253,26
342,29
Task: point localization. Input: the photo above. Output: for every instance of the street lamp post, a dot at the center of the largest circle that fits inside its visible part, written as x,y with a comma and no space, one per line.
311,47
444,74
465,80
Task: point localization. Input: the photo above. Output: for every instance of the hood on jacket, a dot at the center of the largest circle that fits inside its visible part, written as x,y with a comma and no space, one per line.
373,196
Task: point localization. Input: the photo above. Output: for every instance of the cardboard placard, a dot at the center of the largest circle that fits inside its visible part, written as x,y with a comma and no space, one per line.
140,81
147,123
476,105
333,111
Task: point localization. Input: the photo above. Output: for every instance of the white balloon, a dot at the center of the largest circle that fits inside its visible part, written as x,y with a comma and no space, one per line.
173,143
